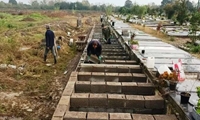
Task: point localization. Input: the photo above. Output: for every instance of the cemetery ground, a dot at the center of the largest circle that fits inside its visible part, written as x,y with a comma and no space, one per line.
28,88
176,41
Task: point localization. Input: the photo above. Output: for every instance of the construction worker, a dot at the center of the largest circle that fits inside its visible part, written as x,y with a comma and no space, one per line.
94,48
49,37
106,33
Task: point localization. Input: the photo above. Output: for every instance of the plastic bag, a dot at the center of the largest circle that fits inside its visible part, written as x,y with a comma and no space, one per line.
179,69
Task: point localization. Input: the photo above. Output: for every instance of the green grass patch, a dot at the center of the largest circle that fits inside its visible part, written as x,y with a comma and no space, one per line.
195,49
39,36
9,21
37,16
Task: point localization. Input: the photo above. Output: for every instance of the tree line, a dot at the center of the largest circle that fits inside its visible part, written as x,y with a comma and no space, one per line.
53,5
177,10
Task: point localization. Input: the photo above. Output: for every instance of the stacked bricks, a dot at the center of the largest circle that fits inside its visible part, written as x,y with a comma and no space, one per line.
123,77
130,88
64,103
114,90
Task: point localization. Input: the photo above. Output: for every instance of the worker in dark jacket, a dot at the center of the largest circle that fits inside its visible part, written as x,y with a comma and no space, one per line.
94,48
49,37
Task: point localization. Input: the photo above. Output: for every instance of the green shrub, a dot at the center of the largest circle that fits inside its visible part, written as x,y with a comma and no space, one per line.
198,107
172,39
37,16
133,42
30,25
198,91
10,26
195,49
128,18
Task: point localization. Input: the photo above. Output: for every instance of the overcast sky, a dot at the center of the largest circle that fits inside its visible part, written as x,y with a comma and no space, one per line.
114,2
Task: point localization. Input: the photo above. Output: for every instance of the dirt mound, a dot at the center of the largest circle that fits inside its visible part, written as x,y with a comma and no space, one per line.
28,19
89,21
56,14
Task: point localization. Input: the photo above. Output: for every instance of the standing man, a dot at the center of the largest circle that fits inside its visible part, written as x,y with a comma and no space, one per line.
94,48
49,37
106,33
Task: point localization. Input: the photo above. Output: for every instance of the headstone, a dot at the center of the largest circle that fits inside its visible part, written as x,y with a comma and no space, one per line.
68,33
79,22
125,33
163,68
71,42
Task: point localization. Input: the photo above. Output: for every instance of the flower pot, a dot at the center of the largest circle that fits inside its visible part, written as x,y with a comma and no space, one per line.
194,114
172,85
134,47
185,97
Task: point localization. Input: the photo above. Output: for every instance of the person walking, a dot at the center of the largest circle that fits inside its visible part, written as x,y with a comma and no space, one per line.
49,37
94,48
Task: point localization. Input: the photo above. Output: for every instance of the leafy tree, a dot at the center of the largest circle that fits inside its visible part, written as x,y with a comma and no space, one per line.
44,2
86,2
95,7
142,11
138,10
51,3
165,2
194,26
108,9
190,6
57,6
2,4
169,10
123,10
153,11
35,4
14,2
128,4
182,13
